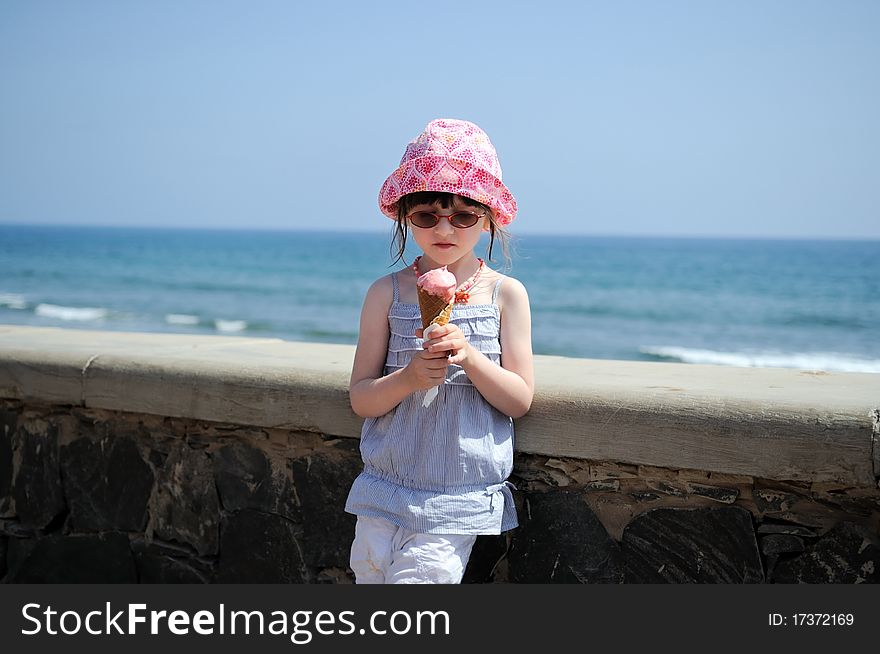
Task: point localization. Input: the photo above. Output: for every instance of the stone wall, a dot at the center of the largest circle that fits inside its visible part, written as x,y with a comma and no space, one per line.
93,488
102,496
114,497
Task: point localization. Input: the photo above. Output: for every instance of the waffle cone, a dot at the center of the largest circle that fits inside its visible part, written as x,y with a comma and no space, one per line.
434,309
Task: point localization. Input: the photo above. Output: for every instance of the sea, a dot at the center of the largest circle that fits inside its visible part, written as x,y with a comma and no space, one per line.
805,304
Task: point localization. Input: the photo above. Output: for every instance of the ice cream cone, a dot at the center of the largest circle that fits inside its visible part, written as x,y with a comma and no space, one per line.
436,289
434,309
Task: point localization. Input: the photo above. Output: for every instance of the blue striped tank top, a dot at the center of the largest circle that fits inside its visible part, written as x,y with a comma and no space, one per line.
438,462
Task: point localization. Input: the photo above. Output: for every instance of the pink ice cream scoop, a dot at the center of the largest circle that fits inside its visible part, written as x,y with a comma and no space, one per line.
439,282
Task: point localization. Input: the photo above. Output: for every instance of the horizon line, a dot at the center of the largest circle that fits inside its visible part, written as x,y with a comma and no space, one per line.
514,234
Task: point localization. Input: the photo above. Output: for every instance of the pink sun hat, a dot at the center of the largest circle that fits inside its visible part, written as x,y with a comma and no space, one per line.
452,156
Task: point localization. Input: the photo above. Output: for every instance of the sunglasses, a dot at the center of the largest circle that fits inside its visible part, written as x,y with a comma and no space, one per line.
459,219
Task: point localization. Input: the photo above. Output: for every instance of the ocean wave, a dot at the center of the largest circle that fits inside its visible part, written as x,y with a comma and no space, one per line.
181,319
228,326
818,320
827,361
12,301
70,313
639,312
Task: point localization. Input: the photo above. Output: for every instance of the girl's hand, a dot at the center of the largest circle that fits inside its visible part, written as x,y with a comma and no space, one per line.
427,369
448,338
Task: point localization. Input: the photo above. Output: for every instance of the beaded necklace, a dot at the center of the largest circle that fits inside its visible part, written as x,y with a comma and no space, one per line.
461,293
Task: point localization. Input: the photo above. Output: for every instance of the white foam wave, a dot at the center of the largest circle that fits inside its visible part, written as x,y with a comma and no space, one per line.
181,319
97,313
12,300
70,313
230,325
827,361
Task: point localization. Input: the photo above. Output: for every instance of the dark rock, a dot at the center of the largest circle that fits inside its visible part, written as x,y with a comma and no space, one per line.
261,548
335,576
107,484
663,486
157,458
692,546
246,480
603,485
92,558
776,528
488,551
142,545
3,540
39,498
17,550
15,529
90,424
847,554
775,544
717,493
560,540
163,569
8,422
322,484
853,507
644,496
168,563
185,504
769,500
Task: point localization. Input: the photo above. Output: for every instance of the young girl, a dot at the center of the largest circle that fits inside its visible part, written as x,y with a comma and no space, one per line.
437,442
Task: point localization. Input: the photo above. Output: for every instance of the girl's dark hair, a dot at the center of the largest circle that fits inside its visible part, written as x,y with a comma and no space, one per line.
445,200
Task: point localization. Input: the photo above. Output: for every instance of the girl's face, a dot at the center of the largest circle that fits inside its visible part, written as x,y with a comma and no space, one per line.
443,243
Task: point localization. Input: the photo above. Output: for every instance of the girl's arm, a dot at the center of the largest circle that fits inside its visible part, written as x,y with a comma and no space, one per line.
510,386
372,394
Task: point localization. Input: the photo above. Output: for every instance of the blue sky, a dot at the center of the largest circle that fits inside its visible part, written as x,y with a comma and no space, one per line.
710,118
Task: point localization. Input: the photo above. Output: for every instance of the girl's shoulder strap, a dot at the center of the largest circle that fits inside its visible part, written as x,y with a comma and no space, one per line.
496,289
394,285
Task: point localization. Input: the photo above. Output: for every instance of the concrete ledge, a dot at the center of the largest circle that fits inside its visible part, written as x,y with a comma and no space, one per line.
768,423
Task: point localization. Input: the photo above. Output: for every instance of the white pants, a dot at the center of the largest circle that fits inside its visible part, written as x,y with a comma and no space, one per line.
383,553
